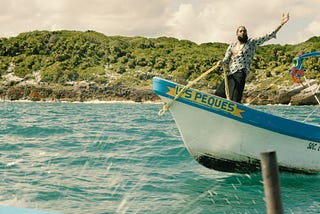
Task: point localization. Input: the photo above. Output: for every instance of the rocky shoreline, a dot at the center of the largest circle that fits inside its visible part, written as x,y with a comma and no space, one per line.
297,94
90,92
13,88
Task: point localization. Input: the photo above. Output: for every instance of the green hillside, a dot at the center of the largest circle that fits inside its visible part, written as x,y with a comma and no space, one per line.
64,56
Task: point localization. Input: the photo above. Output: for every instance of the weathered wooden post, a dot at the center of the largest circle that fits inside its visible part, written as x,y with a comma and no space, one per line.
271,183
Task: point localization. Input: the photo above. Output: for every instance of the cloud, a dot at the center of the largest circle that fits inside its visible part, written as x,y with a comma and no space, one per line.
314,28
217,20
131,18
111,17
196,20
184,22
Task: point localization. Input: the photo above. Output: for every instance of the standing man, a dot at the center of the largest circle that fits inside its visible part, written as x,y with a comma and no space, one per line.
239,56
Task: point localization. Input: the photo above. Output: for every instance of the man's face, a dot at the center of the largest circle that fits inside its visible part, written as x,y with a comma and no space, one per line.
242,34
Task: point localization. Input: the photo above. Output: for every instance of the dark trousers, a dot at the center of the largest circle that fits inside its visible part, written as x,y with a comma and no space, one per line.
236,83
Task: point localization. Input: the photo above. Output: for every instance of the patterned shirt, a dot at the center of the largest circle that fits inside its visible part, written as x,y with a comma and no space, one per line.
243,58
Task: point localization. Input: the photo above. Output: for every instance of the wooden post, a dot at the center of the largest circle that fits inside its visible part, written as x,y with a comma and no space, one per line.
271,183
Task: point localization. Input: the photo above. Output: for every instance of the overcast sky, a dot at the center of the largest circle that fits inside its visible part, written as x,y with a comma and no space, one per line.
196,20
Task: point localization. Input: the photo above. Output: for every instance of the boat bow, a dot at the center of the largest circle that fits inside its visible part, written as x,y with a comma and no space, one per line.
228,136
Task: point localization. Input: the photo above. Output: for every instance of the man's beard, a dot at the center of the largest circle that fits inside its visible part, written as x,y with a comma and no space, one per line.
243,39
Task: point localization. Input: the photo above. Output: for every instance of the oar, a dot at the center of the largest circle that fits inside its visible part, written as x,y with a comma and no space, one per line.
226,85
168,105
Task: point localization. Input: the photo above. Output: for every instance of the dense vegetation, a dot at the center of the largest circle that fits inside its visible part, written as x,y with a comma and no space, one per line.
64,56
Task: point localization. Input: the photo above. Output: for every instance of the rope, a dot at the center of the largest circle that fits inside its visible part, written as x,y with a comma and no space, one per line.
168,105
313,92
312,112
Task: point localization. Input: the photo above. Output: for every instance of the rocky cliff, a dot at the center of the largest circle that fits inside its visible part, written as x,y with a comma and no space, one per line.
297,94
31,88
14,88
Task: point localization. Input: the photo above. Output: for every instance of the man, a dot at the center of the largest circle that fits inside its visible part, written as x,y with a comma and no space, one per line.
238,57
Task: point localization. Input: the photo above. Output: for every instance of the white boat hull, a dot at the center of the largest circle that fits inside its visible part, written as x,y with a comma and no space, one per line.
232,144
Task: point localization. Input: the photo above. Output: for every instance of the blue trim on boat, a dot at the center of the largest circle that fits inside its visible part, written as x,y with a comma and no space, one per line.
18,210
248,115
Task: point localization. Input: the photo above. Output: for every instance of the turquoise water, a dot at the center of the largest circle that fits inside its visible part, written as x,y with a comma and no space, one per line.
124,158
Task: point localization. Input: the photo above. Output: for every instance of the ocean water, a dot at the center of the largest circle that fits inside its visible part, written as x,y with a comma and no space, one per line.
124,158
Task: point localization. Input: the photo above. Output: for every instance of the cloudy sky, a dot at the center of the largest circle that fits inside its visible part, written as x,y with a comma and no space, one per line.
196,20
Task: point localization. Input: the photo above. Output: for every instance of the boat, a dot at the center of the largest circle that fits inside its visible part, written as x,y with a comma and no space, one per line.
228,136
